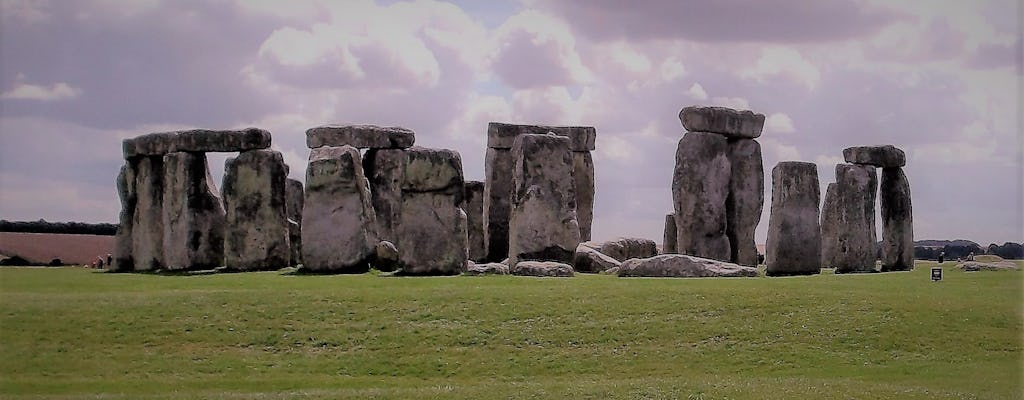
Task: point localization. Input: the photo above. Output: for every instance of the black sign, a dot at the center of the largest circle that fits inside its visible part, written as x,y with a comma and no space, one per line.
936,274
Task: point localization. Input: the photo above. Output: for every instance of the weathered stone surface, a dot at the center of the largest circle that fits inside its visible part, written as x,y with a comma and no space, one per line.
794,237
974,266
122,251
852,246
588,258
196,140
432,234
256,234
700,187
384,169
387,258
721,120
487,269
432,170
829,223
670,241
897,221
542,224
147,221
624,248
497,201
887,156
360,136
473,205
503,136
338,221
745,201
294,194
193,216
682,266
583,178
542,269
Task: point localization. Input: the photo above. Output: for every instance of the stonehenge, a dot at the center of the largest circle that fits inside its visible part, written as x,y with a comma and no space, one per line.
294,194
794,237
473,205
682,266
193,216
257,232
897,221
431,234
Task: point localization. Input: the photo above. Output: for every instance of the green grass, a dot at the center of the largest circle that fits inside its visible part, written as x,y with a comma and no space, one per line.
74,333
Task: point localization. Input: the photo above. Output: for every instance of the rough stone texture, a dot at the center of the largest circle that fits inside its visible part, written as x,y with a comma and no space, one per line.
147,221
721,120
193,216
670,241
387,258
829,222
973,266
887,156
588,258
487,269
122,251
497,201
474,208
682,266
384,169
294,194
624,248
338,221
852,220
794,237
503,136
700,187
196,140
542,224
542,269
745,201
360,136
256,235
583,179
432,233
897,221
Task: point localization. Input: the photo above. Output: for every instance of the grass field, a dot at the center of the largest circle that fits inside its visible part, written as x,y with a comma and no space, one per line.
76,333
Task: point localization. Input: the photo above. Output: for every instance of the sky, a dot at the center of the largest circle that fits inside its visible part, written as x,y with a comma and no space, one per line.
939,79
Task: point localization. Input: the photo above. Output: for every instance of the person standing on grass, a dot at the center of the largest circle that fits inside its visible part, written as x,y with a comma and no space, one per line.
942,256
110,259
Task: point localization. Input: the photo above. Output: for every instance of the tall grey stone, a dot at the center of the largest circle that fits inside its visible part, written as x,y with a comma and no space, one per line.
497,196
852,220
360,136
256,234
794,237
829,223
897,221
473,205
384,169
700,187
670,241
583,179
193,216
147,221
723,121
745,201
432,232
294,194
887,156
196,141
543,224
122,253
338,221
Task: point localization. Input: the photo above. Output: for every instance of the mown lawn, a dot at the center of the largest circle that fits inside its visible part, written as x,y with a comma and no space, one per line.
75,333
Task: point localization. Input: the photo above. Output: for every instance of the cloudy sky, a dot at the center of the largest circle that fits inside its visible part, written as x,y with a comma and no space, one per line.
940,79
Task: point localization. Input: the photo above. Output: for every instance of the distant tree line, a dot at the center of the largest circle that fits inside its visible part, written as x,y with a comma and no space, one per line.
961,249
42,226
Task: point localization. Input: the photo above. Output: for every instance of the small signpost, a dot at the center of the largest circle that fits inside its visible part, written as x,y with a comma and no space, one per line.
936,274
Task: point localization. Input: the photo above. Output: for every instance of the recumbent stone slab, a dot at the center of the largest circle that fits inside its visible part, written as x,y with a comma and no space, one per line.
682,266
887,156
721,120
700,187
257,233
338,221
852,244
542,269
794,237
588,258
360,136
196,140
193,216
897,221
432,232
624,248
745,201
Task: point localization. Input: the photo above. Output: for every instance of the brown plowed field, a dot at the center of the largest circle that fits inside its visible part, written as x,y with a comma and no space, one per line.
43,247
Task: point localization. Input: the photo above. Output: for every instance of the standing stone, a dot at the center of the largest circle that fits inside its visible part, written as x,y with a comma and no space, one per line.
829,223
473,205
543,224
497,207
193,216
852,219
122,253
745,201
669,243
256,237
384,169
897,221
700,187
147,221
338,221
294,194
794,238
432,233
583,178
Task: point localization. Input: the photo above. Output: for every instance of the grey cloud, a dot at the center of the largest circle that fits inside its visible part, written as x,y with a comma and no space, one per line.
990,56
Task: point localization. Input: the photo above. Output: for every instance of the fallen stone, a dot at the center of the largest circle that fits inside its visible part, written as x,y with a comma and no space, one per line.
974,266
338,221
670,241
294,193
887,156
474,208
624,248
122,252
853,247
794,236
193,216
497,196
723,121
611,271
256,234
503,136
682,266
360,136
196,141
700,187
583,179
897,221
147,221
542,269
384,170
745,201
486,269
387,257
542,224
433,234
590,259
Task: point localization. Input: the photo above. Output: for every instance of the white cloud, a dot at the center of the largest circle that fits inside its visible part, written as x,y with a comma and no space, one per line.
738,103
778,123
697,92
537,50
54,92
784,61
